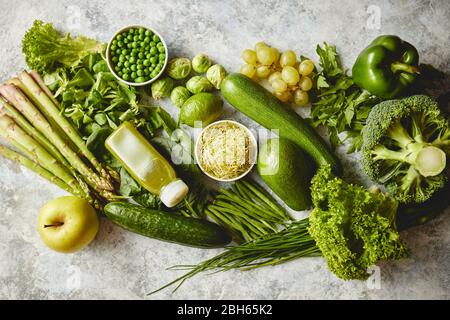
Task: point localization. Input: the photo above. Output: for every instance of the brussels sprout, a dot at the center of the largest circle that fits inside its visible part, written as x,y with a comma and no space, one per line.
216,74
179,95
198,84
201,63
205,107
179,68
161,88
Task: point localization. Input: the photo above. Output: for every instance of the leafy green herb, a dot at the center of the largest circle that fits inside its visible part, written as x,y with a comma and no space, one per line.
341,106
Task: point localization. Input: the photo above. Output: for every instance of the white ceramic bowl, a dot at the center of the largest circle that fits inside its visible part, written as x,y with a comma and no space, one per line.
110,65
253,150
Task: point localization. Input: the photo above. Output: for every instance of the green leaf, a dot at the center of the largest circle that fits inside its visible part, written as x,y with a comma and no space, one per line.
322,82
96,139
148,200
128,186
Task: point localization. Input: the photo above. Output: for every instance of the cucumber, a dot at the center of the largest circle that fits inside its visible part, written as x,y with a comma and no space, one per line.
259,104
167,226
285,169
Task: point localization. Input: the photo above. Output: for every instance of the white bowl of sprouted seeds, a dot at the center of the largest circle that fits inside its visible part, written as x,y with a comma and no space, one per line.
137,55
226,150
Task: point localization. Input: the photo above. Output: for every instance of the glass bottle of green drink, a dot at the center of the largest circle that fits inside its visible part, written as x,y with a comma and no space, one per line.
145,164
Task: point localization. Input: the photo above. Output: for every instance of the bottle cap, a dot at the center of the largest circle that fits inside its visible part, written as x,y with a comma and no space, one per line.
173,193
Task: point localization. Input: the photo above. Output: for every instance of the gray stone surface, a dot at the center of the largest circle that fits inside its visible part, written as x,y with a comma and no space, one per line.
120,264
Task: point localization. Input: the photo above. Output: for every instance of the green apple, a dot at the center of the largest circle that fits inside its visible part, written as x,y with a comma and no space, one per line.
67,224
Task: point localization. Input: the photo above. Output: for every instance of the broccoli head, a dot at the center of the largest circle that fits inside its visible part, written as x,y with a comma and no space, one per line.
352,226
405,146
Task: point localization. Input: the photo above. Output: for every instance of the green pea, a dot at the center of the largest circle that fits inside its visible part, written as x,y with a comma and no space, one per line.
161,49
122,58
120,74
152,44
133,67
140,61
141,30
133,75
125,76
155,38
141,55
126,64
147,63
147,40
148,33
140,67
140,73
131,31
153,74
141,37
119,37
120,44
154,65
132,60
129,45
134,45
124,51
125,41
153,50
139,79
146,72
160,44
151,68
118,51
119,64
113,47
114,42
115,59
153,60
117,69
129,37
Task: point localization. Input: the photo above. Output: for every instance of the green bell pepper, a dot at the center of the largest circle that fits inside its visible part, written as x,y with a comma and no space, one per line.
387,67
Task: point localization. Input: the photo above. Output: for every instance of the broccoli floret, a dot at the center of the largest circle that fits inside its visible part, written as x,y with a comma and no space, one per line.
406,143
352,226
45,48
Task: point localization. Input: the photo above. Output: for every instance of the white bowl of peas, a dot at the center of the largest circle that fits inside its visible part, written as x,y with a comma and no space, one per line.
137,55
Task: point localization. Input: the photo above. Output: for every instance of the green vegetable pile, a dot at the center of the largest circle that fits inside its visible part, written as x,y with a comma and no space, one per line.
58,117
352,227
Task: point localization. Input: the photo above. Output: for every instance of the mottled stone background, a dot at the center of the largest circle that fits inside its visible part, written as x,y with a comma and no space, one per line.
120,264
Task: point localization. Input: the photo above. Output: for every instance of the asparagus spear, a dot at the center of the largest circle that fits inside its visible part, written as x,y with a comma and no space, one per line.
17,157
17,137
55,126
21,102
38,79
45,103
35,134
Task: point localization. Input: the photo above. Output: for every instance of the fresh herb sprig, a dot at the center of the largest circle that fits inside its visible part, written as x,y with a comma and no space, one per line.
340,106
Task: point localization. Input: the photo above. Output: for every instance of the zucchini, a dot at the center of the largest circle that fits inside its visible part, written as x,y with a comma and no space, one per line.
259,104
285,169
167,226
